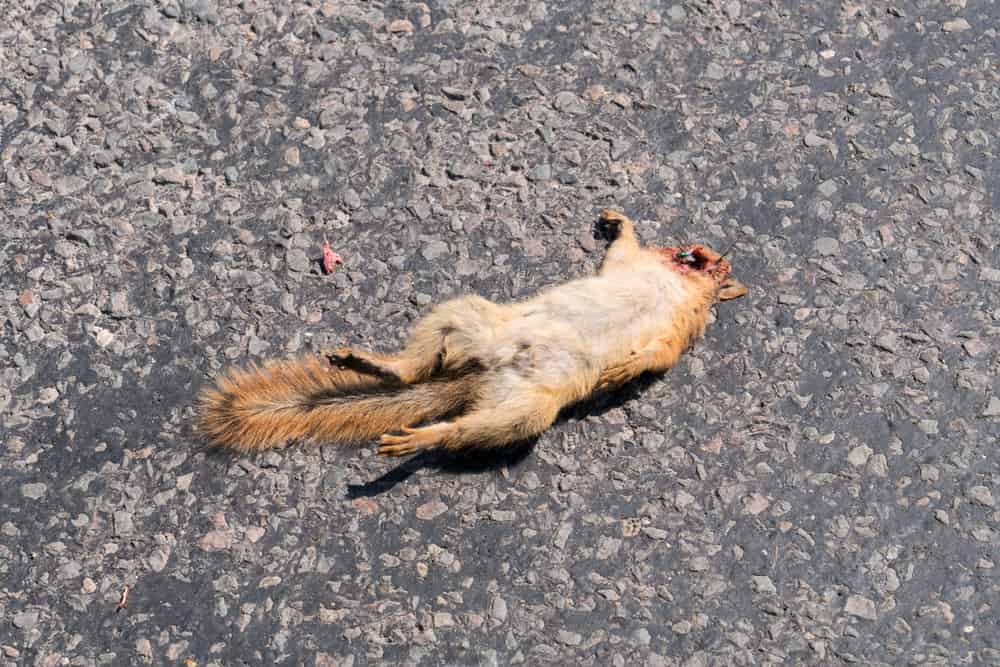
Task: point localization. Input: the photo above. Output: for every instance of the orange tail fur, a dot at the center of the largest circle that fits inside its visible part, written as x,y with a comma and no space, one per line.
262,407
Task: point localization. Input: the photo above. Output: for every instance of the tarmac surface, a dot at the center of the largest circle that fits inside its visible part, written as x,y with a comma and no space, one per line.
817,482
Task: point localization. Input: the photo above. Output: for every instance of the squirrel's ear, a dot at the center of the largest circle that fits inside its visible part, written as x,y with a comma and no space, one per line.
732,289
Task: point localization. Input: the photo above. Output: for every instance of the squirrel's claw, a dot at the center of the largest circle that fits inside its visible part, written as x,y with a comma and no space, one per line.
396,450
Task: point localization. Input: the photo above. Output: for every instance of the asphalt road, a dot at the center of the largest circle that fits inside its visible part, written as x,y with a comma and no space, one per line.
817,483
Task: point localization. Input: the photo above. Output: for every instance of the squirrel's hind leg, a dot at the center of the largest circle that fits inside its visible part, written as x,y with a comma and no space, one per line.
371,363
416,362
515,420
446,339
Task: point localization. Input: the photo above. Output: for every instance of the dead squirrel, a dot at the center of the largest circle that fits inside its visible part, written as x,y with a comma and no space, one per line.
480,374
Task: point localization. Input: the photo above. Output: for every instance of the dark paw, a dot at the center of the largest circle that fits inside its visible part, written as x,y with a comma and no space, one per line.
347,359
341,357
607,230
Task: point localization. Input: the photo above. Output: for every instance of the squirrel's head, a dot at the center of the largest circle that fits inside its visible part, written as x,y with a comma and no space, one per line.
701,263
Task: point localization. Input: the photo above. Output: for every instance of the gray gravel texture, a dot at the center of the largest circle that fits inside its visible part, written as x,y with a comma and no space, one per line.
817,483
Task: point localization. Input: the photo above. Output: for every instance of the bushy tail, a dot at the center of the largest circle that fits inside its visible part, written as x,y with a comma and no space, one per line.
262,407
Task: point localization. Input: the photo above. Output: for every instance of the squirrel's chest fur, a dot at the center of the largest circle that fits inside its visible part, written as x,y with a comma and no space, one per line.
585,325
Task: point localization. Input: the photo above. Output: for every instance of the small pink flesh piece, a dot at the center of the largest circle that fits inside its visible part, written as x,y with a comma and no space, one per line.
330,258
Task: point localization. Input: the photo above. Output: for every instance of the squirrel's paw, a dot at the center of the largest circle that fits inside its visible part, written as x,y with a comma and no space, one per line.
616,376
345,357
611,224
340,356
412,441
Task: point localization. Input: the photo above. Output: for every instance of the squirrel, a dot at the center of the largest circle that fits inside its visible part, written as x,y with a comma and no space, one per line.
479,374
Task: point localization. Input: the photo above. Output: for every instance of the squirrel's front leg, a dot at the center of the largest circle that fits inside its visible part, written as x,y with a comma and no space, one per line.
658,356
624,245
